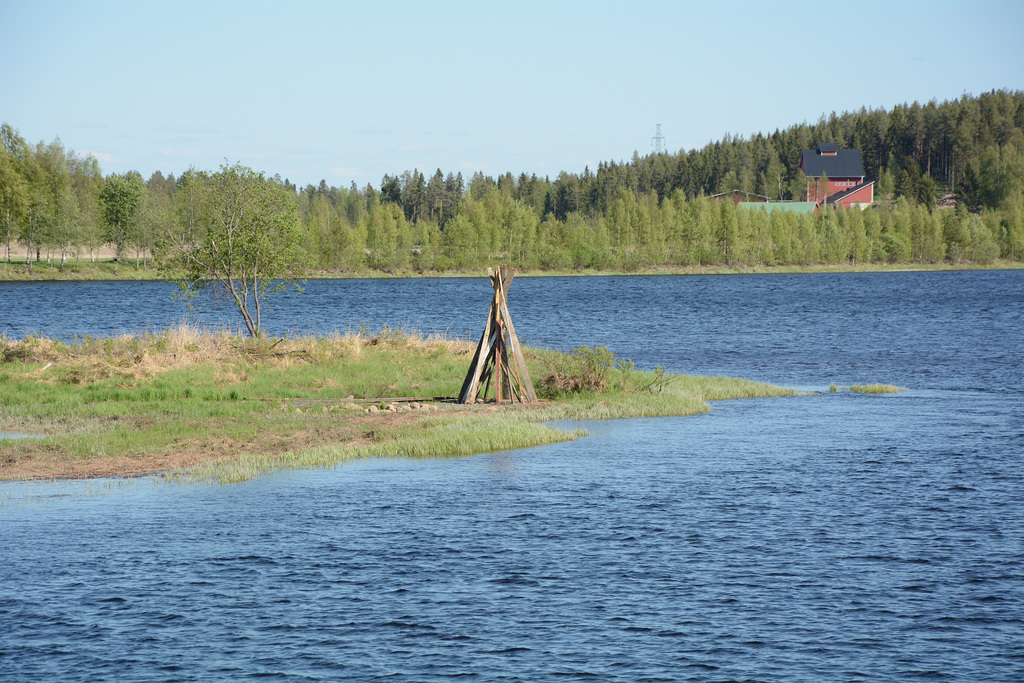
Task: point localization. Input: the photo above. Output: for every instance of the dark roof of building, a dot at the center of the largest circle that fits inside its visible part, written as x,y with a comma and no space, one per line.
839,196
828,148
846,163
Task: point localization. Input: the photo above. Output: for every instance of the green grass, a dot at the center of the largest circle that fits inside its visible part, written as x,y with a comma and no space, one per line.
448,436
84,269
876,388
103,269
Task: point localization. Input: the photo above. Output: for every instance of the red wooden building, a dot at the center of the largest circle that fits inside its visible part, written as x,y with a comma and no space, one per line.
835,177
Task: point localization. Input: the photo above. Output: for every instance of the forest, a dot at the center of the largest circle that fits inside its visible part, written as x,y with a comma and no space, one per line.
949,181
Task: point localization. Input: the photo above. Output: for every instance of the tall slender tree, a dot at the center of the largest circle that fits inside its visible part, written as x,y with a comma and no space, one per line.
14,198
121,200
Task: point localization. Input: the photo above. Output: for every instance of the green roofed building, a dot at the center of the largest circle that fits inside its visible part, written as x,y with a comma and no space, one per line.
793,207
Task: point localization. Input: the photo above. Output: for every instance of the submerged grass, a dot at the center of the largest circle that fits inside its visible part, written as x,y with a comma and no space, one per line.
876,388
451,436
218,407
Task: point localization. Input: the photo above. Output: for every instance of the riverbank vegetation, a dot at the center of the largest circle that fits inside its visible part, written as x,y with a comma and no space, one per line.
949,178
876,388
217,406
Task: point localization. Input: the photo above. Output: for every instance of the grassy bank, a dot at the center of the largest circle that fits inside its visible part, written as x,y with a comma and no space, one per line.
219,407
81,269
103,269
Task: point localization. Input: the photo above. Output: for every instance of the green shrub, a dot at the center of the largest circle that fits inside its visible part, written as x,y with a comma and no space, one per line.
583,369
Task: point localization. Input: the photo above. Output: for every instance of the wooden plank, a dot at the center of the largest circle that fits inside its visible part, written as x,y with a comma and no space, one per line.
480,369
472,380
517,353
471,374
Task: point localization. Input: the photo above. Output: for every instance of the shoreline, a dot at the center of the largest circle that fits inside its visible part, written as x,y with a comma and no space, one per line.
212,407
103,271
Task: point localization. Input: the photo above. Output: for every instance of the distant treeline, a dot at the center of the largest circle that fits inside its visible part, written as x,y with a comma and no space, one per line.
654,210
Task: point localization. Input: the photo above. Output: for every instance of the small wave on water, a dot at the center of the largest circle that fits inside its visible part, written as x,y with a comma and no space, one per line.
830,537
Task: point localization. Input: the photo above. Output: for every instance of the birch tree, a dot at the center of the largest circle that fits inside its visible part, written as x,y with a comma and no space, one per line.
121,198
245,242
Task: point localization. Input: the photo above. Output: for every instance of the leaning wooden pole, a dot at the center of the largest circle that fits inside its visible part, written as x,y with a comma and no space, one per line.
498,360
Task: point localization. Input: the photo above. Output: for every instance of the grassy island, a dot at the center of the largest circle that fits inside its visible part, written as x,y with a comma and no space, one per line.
216,406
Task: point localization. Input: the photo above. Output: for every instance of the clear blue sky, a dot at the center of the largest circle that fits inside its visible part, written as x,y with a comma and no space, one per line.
350,91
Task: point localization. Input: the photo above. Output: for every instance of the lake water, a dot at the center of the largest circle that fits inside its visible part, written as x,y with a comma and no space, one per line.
837,536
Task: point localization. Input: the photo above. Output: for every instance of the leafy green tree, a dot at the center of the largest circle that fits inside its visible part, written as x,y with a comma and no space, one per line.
156,218
1012,229
14,197
729,235
707,246
426,246
38,223
956,236
836,244
458,244
981,247
897,244
886,184
852,221
245,242
64,230
121,199
874,251
319,217
381,237
87,183
774,176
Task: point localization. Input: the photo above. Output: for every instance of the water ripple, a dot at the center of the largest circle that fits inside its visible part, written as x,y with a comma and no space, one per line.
834,537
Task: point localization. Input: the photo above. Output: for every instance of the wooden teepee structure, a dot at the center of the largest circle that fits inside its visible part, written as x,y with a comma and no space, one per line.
498,360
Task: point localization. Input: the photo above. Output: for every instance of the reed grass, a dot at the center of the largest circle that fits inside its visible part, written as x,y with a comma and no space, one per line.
452,436
876,388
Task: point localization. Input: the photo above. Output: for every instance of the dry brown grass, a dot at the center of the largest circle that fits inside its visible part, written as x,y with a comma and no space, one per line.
134,358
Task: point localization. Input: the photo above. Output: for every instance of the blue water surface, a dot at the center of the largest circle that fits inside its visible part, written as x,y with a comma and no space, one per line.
837,536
